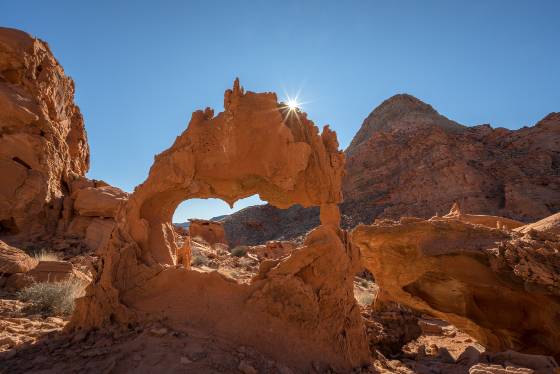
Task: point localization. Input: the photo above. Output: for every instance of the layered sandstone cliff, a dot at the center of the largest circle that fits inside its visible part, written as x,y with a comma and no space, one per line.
408,160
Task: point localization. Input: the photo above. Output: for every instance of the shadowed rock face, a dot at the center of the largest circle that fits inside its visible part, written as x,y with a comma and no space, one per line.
418,163
306,301
408,160
43,143
498,286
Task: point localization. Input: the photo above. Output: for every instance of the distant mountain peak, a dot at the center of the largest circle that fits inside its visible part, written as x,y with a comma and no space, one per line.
404,102
401,111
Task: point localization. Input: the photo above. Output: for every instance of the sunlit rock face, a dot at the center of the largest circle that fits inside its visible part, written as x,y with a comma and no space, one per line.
499,286
255,146
43,143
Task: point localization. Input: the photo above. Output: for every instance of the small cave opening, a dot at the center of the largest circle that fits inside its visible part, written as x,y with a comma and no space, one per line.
200,234
8,227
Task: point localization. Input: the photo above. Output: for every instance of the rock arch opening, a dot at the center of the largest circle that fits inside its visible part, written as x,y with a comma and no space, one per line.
203,243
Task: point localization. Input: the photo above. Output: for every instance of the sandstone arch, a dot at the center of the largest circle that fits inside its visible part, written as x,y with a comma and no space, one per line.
306,301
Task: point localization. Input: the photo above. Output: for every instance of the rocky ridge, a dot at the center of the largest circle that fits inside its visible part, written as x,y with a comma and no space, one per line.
405,151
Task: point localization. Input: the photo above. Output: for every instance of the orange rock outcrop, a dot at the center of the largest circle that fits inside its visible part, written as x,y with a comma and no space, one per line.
211,232
44,153
482,219
14,260
549,224
256,146
43,143
499,286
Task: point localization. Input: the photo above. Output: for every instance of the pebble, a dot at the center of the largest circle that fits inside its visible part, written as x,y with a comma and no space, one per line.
159,332
246,368
185,360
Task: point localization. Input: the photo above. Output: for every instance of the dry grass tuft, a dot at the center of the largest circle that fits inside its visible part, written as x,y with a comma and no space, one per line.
45,255
55,298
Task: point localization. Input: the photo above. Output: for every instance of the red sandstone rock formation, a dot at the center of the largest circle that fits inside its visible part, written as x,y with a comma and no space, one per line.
408,160
549,224
481,219
272,250
211,232
305,301
498,286
90,210
44,153
14,260
43,142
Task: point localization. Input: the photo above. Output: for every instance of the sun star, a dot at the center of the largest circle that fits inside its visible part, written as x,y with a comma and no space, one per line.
292,104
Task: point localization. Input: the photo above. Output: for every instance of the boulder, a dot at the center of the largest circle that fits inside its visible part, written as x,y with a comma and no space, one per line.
211,232
14,260
273,249
55,271
98,233
98,201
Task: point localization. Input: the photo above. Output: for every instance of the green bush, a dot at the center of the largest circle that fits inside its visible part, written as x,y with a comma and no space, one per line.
55,298
239,251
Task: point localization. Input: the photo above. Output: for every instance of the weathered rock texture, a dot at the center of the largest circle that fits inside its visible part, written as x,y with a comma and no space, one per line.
482,219
272,250
254,146
211,232
549,224
498,286
44,154
408,160
14,260
43,142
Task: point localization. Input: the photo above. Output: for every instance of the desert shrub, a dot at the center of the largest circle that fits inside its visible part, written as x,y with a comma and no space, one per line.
41,253
199,260
200,240
239,251
56,298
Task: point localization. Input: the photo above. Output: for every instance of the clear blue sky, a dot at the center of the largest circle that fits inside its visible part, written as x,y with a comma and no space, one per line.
142,67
